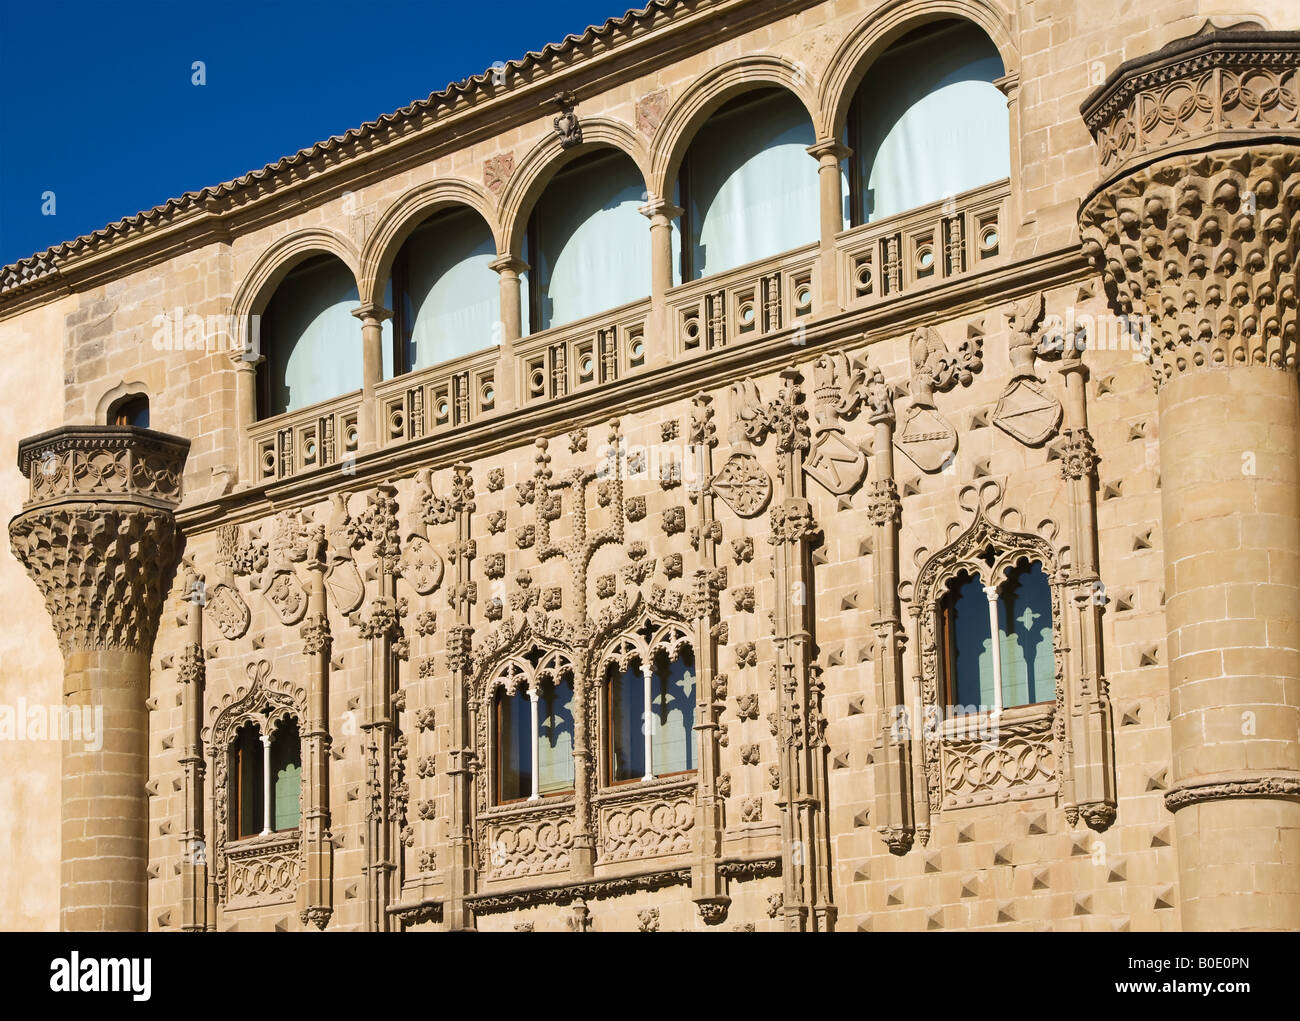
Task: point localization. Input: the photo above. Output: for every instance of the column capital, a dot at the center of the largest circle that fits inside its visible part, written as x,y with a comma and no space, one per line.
1008,84
371,311
97,534
656,207
507,263
829,150
1194,224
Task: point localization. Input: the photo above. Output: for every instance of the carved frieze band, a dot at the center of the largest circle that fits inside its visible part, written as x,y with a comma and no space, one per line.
1252,787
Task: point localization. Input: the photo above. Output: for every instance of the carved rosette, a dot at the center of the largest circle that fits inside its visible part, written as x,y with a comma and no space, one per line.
1195,224
97,533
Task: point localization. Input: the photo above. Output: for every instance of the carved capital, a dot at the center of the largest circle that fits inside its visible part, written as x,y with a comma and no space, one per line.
1195,224
1078,455
97,533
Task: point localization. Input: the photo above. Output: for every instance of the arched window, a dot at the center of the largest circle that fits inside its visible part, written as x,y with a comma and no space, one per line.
446,295
532,731
514,745
265,780
311,340
1025,622
587,245
286,776
641,745
747,184
247,761
1022,669
555,737
132,409
927,122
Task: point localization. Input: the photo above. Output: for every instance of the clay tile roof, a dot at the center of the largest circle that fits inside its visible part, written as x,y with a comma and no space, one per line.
28,273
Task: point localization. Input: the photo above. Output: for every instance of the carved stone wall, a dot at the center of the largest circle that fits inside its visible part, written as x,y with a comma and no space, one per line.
783,503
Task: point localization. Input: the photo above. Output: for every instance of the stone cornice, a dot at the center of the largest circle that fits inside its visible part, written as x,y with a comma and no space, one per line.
458,116
103,465
677,381
1215,89
1195,222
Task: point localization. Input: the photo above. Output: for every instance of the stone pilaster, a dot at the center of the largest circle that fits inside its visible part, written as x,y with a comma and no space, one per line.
97,536
1194,227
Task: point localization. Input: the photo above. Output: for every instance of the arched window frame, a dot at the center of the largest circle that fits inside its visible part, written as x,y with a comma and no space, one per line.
264,703
641,646
526,674
993,582
128,409
995,755
269,730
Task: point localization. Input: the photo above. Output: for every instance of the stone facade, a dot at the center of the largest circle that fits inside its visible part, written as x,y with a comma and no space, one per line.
779,468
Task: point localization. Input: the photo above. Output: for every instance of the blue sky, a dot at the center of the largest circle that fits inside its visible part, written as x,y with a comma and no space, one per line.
101,110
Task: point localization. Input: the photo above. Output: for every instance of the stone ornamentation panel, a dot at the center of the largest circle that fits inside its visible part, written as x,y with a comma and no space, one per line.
647,826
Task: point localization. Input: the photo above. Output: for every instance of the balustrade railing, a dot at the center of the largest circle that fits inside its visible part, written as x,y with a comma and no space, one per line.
743,304
306,439
924,246
582,355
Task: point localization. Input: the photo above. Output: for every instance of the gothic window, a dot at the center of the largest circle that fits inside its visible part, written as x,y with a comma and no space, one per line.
246,786
1020,670
444,293
747,185
927,122
533,730
133,409
650,714
286,776
265,779
310,338
514,747
587,245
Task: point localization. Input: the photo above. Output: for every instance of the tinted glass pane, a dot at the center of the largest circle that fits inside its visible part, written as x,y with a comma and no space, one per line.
514,747
674,713
555,738
1025,620
286,776
969,647
626,695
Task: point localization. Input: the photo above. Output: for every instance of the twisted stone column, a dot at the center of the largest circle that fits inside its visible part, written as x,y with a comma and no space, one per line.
98,537
1194,227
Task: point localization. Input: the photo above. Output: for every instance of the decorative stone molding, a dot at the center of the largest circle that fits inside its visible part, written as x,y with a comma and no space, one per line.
1196,222
96,532
1216,88
1247,787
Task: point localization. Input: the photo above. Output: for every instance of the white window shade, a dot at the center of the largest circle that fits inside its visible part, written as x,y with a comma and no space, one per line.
314,350
591,250
452,292
751,185
930,123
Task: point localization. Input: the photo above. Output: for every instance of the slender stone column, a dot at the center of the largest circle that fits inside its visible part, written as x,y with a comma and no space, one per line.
98,537
829,153
892,759
508,268
709,889
191,672
317,893
661,346
245,363
372,371
1195,229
